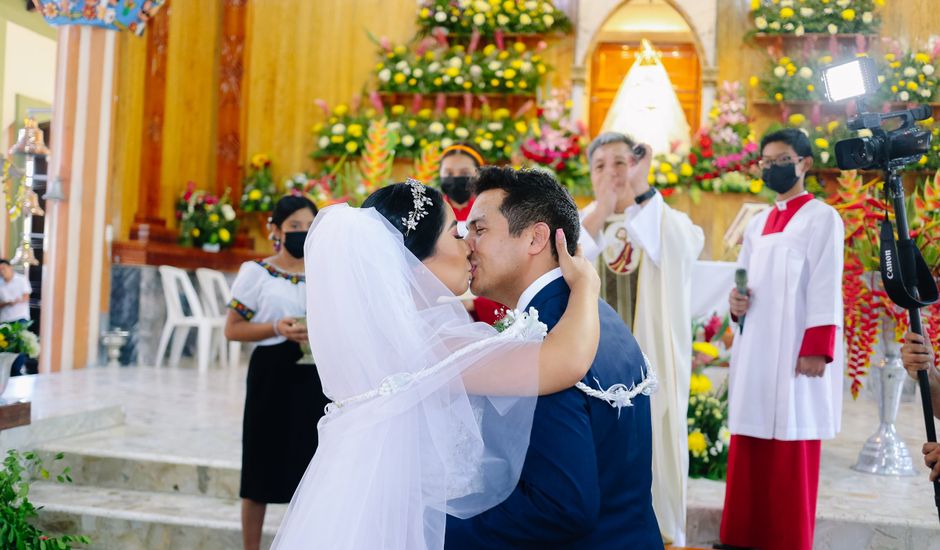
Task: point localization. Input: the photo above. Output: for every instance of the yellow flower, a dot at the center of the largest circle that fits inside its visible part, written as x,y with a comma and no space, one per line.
494,82
541,69
254,194
848,14
665,168
489,49
697,443
651,179
754,81
700,384
213,218
355,130
467,85
259,160
778,96
831,127
672,178
912,85
922,160
755,4
796,119
519,47
756,186
351,146
521,126
224,235
400,50
509,73
438,81
398,109
452,112
706,348
340,109
685,169
3,342
194,232
425,13
822,143
879,3
399,78
786,13
810,87
523,84
922,57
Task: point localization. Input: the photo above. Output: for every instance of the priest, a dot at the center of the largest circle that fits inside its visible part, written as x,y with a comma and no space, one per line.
785,392
651,260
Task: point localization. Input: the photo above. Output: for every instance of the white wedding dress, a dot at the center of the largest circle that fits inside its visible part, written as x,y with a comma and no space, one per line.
431,413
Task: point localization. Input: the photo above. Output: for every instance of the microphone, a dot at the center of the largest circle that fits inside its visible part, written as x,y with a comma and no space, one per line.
740,283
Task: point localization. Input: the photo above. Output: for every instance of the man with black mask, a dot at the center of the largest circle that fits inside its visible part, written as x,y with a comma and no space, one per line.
785,392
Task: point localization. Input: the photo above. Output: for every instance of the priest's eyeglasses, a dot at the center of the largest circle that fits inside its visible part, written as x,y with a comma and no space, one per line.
782,160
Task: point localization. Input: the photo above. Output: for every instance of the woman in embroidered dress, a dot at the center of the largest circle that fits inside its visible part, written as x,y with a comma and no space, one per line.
283,398
431,413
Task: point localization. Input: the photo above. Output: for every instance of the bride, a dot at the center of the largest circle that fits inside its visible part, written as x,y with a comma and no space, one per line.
430,413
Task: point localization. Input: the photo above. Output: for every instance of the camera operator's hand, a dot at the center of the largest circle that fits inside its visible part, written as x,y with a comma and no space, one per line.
932,459
739,303
813,366
640,172
916,354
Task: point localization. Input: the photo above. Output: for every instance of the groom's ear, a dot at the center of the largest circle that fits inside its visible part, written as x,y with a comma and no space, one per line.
540,236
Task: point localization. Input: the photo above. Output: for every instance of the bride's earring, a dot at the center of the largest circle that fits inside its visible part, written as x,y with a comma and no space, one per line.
273,238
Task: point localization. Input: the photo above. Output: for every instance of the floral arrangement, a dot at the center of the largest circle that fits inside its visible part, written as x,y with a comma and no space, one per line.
491,17
205,219
344,131
428,163
258,191
788,80
17,513
15,337
378,155
723,155
816,16
712,338
910,76
557,140
709,436
434,67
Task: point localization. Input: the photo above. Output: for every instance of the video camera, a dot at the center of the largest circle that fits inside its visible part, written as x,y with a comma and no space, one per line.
884,149
907,279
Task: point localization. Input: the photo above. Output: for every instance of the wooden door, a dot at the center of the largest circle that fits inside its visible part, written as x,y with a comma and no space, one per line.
611,62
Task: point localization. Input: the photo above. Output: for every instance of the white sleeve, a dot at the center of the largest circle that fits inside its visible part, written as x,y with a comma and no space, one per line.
824,284
246,290
644,226
590,248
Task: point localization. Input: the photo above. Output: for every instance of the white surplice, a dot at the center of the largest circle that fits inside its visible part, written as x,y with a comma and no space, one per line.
795,278
669,245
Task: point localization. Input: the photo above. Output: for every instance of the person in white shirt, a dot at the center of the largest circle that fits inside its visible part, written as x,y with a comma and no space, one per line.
655,247
14,294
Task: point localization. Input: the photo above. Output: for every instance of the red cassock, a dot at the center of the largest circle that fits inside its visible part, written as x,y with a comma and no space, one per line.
770,499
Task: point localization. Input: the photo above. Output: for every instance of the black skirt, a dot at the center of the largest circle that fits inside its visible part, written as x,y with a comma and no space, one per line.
283,403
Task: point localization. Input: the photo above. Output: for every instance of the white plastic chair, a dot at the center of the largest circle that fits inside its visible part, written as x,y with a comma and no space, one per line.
216,295
176,284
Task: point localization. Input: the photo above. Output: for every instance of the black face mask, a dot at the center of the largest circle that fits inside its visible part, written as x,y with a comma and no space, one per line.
457,188
294,243
780,178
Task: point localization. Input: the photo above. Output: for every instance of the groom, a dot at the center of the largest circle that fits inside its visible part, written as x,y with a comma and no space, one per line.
587,475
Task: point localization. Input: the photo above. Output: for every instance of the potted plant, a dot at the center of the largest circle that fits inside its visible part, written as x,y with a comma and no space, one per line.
17,513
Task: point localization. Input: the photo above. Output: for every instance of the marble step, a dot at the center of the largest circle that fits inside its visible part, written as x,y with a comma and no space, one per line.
130,520
144,472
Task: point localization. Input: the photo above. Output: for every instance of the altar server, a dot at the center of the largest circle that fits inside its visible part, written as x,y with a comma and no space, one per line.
786,364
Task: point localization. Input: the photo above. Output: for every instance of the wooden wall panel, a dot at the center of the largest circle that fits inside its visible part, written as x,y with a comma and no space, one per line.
189,124
128,131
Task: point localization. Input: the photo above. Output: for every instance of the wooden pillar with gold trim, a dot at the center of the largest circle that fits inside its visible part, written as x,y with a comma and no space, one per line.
75,263
231,99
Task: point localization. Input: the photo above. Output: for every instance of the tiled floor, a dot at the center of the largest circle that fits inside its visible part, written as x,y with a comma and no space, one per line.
184,417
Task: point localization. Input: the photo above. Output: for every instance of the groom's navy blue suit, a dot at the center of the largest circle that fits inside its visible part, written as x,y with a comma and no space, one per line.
586,479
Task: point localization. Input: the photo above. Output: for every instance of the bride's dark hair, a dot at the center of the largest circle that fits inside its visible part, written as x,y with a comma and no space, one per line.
396,201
